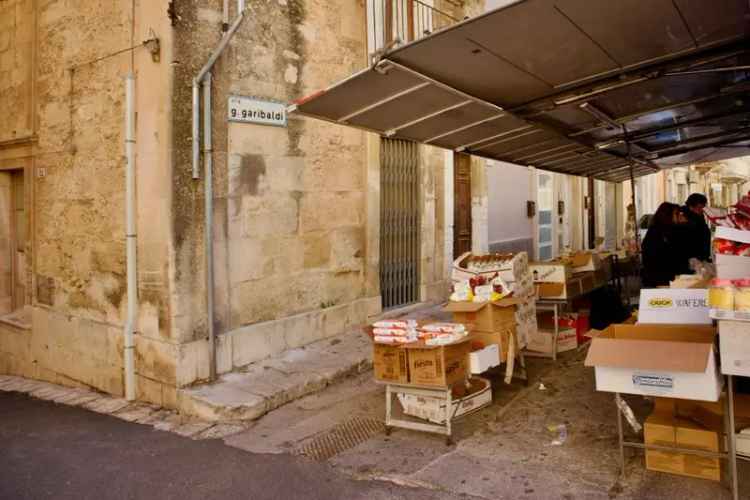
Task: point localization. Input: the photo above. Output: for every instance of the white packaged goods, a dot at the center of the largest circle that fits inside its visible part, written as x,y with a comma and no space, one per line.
734,346
674,306
395,323
397,332
673,361
433,409
483,293
444,327
392,339
482,360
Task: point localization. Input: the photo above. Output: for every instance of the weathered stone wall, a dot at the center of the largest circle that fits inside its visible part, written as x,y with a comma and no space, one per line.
290,211
77,59
16,41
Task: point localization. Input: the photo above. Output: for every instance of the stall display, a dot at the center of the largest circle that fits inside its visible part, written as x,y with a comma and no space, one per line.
428,365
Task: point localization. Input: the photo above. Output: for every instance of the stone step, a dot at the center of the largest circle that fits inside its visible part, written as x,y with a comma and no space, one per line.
260,387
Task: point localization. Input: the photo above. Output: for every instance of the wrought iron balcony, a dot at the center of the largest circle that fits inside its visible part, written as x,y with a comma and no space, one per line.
395,22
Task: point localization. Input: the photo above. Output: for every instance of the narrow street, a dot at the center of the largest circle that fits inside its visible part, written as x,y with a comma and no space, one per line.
505,451
55,451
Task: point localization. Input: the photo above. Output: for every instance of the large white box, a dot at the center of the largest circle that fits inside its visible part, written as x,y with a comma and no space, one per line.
732,267
482,360
734,347
674,306
433,409
673,361
729,233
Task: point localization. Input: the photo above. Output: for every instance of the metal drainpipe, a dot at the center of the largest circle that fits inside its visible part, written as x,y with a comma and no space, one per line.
208,184
130,239
196,90
204,78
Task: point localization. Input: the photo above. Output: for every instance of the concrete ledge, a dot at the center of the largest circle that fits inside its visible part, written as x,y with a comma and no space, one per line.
250,344
268,384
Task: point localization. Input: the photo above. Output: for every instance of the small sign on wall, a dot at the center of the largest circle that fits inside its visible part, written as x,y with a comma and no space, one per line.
250,110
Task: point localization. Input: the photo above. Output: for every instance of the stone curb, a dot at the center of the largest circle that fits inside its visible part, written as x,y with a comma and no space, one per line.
135,412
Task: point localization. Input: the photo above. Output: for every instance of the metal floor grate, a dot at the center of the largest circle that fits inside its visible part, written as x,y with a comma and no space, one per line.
341,437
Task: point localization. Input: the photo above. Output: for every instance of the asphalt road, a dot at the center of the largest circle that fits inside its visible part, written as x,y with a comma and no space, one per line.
55,451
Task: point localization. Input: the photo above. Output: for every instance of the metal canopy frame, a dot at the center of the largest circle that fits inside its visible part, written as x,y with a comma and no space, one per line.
604,98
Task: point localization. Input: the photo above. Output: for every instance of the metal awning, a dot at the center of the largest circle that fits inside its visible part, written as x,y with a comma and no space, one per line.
571,86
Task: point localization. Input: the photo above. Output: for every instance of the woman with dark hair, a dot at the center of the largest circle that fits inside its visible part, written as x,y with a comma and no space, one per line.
663,259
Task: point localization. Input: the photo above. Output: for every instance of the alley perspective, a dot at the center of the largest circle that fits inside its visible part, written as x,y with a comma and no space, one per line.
492,249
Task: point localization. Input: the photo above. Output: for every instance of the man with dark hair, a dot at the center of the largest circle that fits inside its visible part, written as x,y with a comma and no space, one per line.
697,235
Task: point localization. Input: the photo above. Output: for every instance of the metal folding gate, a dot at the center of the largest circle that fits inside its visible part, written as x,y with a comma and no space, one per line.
399,222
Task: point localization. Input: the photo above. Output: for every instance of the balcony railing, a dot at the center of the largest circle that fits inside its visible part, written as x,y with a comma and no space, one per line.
395,22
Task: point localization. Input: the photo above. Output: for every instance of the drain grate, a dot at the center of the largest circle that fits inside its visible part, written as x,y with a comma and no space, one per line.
341,437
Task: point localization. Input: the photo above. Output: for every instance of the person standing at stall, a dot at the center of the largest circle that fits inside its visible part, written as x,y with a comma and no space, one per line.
696,233
663,257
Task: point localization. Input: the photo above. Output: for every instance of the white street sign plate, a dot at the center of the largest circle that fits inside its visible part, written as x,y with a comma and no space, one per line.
251,110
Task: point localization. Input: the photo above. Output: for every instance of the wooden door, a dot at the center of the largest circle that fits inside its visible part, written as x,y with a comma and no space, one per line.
461,204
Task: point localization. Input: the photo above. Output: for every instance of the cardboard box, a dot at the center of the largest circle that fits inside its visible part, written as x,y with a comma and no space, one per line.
586,261
550,272
734,346
433,409
657,360
482,360
665,430
674,306
732,267
390,363
440,366
541,340
576,285
484,316
500,338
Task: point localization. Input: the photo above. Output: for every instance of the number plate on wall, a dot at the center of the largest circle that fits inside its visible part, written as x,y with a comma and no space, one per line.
250,110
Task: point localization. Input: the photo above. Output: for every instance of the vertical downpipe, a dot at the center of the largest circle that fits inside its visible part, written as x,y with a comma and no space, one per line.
130,239
208,226
196,129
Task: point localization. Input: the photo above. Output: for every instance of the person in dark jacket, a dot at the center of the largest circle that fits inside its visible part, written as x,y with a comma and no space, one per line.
697,235
663,259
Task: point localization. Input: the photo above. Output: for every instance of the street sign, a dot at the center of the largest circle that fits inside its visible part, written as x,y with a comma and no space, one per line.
250,110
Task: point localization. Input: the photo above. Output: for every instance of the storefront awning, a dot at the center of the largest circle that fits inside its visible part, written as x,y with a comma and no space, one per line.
571,86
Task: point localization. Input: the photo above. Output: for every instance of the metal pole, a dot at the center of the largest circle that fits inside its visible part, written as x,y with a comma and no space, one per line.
130,239
208,226
619,434
635,214
732,437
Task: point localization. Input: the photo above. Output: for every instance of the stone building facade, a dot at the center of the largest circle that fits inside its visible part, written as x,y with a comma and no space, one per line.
297,225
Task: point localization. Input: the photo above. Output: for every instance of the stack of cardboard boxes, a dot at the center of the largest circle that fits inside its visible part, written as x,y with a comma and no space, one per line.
670,356
420,364
502,321
570,276
432,366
